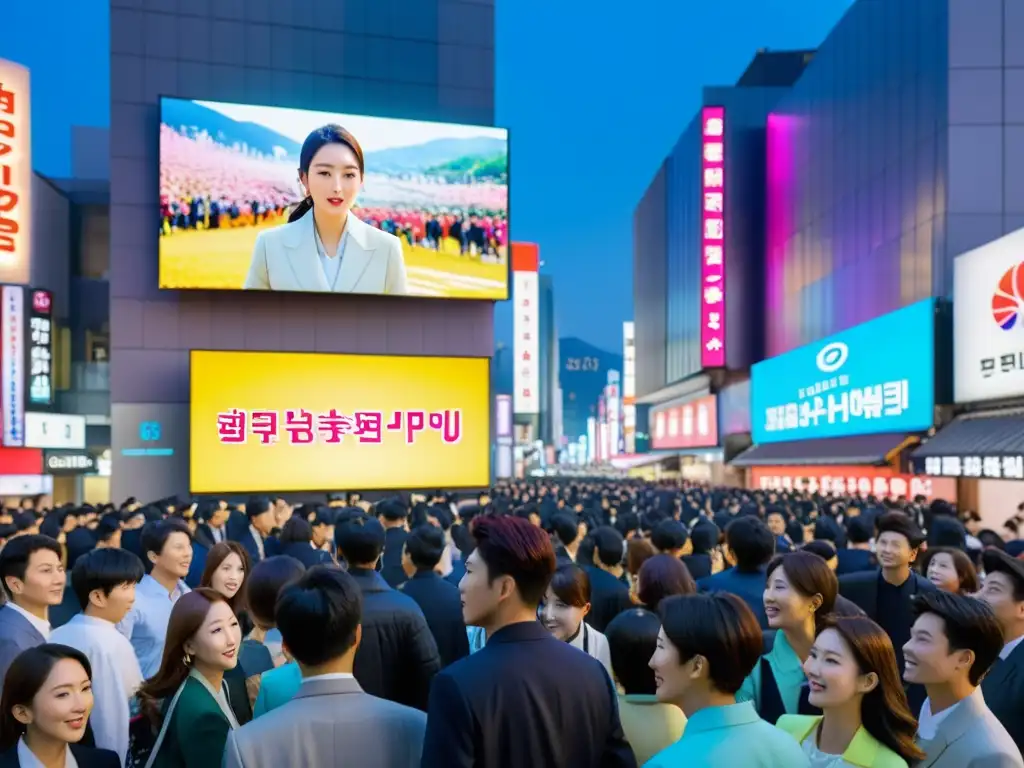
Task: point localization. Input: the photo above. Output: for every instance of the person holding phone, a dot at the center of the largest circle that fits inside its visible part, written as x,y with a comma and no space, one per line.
324,247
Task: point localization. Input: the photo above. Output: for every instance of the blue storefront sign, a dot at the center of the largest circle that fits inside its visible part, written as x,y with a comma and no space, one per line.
875,377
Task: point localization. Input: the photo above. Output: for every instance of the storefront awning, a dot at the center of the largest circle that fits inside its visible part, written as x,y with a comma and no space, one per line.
858,450
976,445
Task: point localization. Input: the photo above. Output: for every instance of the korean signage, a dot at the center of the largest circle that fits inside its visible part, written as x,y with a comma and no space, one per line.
40,349
690,425
15,174
712,270
1010,467
613,398
881,482
70,463
12,359
526,328
628,388
54,430
988,326
875,377
353,422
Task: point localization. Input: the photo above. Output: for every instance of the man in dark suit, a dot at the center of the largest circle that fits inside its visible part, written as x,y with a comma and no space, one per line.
609,591
256,538
398,656
212,526
857,556
438,599
394,516
484,709
750,546
887,593
566,527
1003,686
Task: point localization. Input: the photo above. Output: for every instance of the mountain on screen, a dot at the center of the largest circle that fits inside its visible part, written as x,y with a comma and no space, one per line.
431,154
180,112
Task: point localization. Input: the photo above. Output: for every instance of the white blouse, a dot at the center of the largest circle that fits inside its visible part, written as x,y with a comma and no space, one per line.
592,642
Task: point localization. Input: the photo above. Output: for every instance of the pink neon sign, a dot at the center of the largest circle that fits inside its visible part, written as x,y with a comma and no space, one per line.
712,266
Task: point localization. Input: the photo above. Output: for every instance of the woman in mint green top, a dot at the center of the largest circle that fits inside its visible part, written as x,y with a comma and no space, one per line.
707,645
800,588
852,675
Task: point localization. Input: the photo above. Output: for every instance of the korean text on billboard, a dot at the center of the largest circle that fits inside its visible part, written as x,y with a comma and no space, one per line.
712,271
305,427
15,173
40,349
994,467
12,358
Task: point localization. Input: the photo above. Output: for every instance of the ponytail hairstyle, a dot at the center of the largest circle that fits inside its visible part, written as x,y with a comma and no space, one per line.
317,140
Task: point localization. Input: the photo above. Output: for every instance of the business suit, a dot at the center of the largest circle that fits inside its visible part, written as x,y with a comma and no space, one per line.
748,585
1003,688
391,560
197,730
609,597
442,607
286,258
855,561
525,699
304,552
331,721
16,635
970,737
86,757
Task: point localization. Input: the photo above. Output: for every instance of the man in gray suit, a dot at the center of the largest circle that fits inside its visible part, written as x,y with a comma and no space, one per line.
953,643
33,580
331,721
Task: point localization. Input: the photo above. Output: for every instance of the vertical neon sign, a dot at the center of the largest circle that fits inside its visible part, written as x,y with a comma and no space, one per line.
712,268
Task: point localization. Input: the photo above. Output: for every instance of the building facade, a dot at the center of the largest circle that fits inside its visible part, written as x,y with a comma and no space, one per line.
418,59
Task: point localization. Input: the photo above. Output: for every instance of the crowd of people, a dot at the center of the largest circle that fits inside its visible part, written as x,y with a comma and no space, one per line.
543,624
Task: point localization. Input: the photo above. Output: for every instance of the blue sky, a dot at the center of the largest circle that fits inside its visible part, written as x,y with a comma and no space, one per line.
594,96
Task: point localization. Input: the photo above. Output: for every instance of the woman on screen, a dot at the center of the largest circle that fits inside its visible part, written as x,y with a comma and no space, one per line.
324,248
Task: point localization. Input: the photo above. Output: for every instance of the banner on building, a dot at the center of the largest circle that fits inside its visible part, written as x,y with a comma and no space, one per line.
15,174
526,328
12,360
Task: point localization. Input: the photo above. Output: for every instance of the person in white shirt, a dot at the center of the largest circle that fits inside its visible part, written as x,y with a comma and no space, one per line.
566,604
320,617
104,582
953,642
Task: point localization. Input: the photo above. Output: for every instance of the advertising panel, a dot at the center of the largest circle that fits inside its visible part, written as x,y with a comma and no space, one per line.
526,328
876,377
349,422
12,359
712,268
988,326
690,425
629,387
428,203
40,349
503,422
15,174
881,482
54,430
149,447
1001,467
613,398
71,463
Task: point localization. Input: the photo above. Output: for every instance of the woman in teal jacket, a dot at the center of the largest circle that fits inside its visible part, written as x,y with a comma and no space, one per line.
852,676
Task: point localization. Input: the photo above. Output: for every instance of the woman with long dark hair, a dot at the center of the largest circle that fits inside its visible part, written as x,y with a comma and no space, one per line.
187,695
47,700
324,247
853,679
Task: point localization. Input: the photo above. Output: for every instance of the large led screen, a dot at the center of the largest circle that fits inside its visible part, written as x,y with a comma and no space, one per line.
422,212
337,422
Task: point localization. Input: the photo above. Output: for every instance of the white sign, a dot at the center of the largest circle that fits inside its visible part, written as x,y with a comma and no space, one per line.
12,358
54,430
988,321
526,346
629,387
994,467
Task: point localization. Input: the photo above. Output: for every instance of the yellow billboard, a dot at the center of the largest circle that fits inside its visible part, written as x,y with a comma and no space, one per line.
299,421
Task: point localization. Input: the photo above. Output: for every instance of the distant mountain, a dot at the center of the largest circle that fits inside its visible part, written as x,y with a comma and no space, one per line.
179,112
421,157
583,375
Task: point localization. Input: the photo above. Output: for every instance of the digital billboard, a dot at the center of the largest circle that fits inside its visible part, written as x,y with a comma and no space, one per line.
526,327
15,173
365,422
689,425
712,266
268,198
878,376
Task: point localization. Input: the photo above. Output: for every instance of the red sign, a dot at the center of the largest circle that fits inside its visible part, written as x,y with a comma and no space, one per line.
691,425
881,482
42,301
15,174
21,461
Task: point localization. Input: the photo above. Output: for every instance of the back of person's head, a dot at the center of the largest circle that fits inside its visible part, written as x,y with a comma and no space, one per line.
826,529
565,527
632,639
425,546
663,576
36,671
516,549
360,540
809,576
669,535
609,546
265,583
946,531
823,548
104,570
859,530
705,536
296,530
319,615
392,510
902,524
638,552
108,527
751,543
16,557
721,629
970,628
256,506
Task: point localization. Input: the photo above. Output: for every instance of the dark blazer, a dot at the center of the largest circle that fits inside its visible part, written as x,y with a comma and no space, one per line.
80,541
197,731
748,585
271,546
305,554
525,699
458,571
699,566
200,553
391,561
862,589
398,657
854,561
442,608
204,535
1003,689
609,597
86,757
16,635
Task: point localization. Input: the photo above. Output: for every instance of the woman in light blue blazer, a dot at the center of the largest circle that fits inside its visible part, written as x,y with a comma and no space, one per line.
324,247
